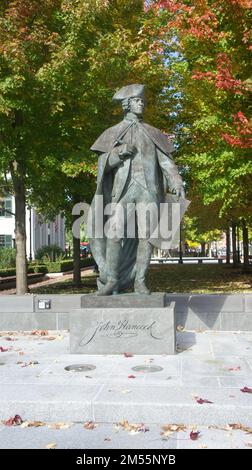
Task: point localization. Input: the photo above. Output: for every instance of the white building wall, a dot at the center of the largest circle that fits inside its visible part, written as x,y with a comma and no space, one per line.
38,232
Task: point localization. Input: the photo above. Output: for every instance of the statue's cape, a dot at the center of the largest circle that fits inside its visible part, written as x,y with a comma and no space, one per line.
111,136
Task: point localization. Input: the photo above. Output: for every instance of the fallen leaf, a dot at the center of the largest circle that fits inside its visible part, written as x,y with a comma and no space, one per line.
60,425
4,349
128,354
248,444
107,439
32,424
88,377
133,428
246,390
39,332
173,427
203,400
15,421
241,427
143,428
131,376
52,445
194,435
235,368
90,425
27,364
21,353
8,338
180,328
52,338
49,338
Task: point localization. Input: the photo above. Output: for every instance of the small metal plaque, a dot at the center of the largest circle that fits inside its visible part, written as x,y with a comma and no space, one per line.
147,369
44,304
80,367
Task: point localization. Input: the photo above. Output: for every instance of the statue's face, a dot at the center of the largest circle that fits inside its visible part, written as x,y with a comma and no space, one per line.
137,106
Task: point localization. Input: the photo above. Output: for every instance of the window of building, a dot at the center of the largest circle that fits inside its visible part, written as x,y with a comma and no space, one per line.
5,241
6,207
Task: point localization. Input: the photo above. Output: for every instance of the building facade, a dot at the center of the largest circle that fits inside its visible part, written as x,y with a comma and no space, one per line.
38,232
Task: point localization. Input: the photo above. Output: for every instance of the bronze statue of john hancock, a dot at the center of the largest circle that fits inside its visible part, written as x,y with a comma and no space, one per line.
134,165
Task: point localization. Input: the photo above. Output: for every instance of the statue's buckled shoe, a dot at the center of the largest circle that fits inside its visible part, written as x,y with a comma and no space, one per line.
140,288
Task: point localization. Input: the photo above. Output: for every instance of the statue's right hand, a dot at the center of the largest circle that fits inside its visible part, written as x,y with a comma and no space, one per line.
127,150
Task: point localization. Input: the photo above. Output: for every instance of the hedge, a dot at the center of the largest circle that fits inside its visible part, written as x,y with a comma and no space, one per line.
67,265
53,267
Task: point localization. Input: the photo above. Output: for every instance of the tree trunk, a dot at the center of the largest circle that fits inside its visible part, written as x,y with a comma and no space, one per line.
76,261
203,248
228,246
20,235
235,260
245,247
238,246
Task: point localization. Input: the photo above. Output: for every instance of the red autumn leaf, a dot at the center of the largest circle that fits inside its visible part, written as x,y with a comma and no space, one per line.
3,349
246,390
128,354
234,368
143,428
203,400
39,332
194,435
15,421
8,338
131,376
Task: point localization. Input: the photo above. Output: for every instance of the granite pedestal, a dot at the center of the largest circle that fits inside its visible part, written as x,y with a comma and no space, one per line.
133,323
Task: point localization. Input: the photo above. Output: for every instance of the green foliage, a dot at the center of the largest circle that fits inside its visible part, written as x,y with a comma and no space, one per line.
49,253
205,46
7,272
7,258
67,265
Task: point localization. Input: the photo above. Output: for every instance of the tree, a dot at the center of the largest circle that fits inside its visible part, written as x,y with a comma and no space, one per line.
205,45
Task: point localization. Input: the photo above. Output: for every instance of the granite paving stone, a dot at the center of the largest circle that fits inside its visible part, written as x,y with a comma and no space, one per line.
210,365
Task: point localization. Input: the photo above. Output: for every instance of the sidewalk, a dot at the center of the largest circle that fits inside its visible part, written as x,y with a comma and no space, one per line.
127,408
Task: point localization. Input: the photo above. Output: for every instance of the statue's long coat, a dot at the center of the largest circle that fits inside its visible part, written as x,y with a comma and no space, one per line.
110,138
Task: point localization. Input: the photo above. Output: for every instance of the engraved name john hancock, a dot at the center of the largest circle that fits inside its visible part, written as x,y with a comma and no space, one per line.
121,329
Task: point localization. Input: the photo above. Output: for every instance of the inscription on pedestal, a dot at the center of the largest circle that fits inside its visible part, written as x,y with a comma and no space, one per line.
117,330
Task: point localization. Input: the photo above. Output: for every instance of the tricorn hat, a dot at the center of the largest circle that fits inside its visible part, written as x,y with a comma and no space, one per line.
129,91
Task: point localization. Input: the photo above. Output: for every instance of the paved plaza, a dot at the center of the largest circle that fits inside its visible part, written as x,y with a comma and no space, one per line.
199,398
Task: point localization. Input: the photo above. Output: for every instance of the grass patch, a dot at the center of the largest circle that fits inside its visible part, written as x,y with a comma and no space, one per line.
194,279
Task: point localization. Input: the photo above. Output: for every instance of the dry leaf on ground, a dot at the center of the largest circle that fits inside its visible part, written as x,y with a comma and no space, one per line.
203,400
246,390
128,354
180,328
40,332
194,435
133,428
169,429
131,376
15,421
4,349
52,445
32,424
27,364
241,427
60,425
90,425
